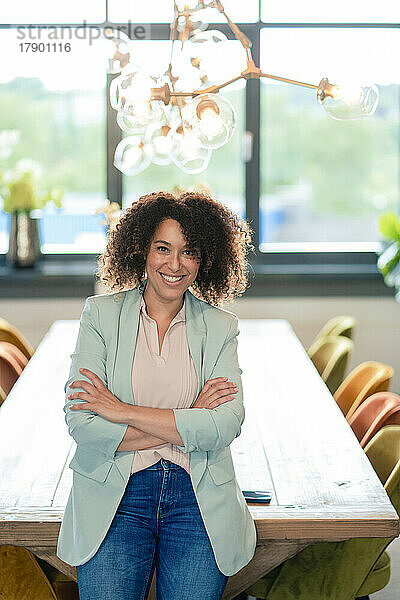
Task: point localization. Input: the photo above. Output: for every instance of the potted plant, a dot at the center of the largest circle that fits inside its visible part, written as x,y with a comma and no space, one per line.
112,213
389,259
21,196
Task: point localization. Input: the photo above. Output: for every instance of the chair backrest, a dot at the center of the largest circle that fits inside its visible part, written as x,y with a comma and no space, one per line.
16,353
363,381
10,370
330,356
341,325
373,414
9,333
383,452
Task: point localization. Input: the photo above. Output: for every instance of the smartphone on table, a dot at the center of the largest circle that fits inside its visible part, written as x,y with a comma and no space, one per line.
262,497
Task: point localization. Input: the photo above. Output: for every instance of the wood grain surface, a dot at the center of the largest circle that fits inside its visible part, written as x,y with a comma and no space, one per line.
295,443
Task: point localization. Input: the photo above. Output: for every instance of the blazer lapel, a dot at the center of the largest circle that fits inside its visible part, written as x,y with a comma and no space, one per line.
125,347
196,333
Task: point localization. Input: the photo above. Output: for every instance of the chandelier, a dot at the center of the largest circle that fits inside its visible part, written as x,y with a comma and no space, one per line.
180,117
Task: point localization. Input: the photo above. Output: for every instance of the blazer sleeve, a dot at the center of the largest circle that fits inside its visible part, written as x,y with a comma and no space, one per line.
86,427
213,429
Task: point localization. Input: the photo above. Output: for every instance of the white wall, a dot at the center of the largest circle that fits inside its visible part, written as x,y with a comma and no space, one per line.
377,336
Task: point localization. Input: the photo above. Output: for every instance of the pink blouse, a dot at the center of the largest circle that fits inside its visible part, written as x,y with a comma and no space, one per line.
162,380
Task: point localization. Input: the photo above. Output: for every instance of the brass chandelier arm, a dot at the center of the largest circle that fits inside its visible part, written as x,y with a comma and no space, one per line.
243,39
308,85
174,29
165,94
239,35
213,89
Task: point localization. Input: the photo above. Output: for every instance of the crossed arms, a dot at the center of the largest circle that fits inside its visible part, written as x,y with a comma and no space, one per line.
191,429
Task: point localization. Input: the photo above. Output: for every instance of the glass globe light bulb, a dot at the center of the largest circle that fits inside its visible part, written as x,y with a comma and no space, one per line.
118,49
160,144
132,125
182,5
130,156
130,93
188,154
210,123
347,101
206,52
212,118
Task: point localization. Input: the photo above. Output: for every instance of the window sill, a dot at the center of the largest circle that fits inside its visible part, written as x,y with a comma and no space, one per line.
76,279
311,280
49,280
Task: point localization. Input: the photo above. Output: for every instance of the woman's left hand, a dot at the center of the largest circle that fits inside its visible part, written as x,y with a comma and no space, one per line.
97,398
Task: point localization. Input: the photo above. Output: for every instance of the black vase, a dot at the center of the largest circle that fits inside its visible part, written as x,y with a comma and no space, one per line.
24,241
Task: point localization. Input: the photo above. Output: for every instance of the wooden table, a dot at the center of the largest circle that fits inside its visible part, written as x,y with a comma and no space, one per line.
294,442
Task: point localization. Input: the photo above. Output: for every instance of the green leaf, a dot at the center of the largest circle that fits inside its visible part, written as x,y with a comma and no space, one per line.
389,226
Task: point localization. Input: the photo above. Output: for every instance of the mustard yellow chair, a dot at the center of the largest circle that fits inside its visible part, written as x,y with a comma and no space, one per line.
345,570
21,576
330,356
363,381
3,395
9,333
342,325
24,577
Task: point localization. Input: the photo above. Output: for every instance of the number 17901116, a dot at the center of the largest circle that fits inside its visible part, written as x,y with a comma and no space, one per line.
45,47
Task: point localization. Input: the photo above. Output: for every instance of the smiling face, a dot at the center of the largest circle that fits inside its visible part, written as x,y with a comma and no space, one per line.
170,266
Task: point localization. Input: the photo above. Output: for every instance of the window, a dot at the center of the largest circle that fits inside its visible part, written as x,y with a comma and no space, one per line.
57,103
311,185
314,11
161,11
47,11
323,181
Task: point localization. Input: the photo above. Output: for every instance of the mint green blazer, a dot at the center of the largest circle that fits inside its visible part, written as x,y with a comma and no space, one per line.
105,345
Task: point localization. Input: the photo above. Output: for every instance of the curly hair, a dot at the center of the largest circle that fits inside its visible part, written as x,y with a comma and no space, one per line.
222,237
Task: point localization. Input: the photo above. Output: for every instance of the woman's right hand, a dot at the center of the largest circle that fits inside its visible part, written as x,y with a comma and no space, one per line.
215,392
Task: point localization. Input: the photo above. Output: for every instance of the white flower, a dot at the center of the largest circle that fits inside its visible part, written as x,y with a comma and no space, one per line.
26,165
8,139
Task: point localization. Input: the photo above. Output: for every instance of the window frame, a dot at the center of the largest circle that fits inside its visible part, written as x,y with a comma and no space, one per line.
305,273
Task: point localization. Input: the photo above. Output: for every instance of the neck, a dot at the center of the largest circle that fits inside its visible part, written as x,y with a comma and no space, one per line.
160,308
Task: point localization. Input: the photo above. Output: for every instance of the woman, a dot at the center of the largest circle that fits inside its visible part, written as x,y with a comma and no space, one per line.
154,399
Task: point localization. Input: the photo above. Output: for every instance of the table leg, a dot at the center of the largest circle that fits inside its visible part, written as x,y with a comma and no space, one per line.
266,557
50,556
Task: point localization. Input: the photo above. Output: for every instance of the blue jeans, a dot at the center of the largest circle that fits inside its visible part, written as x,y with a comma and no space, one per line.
157,524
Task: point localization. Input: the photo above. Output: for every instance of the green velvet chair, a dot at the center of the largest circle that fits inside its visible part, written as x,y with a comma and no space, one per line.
330,355
341,570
